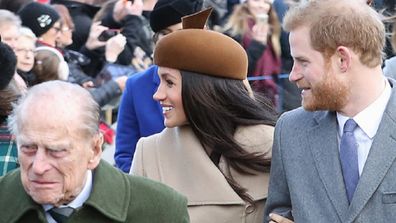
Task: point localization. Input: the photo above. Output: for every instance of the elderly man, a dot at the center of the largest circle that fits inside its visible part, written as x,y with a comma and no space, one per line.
61,174
334,159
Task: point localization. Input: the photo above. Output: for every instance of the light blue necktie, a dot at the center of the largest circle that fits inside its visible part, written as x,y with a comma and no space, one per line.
349,158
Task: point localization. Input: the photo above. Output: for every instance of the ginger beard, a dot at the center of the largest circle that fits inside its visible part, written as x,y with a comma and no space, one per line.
330,93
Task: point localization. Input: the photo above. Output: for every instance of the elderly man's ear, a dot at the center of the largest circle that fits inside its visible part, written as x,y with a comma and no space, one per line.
96,151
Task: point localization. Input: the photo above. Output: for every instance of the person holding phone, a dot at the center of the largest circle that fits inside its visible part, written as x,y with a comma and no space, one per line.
48,25
255,25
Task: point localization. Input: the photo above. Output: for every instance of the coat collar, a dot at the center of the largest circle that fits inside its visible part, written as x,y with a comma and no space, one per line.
114,205
17,199
199,179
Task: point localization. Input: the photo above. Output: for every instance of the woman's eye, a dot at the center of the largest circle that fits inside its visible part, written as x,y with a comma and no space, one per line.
169,83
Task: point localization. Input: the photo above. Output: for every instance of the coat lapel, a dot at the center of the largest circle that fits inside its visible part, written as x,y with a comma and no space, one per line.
324,147
382,155
199,179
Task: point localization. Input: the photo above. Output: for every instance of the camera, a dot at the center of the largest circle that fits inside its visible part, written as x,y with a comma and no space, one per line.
107,34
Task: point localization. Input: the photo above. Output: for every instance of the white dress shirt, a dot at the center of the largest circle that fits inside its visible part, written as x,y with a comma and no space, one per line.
77,202
368,122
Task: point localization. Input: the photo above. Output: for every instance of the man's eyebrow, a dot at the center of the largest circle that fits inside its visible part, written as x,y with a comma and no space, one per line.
300,58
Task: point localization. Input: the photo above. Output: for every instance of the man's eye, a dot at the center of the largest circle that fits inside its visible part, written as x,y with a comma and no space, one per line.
28,148
58,152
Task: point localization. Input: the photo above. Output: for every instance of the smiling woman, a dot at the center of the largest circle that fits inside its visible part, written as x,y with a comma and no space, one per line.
216,148
169,96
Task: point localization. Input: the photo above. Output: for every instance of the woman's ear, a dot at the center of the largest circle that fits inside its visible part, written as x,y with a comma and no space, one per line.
344,58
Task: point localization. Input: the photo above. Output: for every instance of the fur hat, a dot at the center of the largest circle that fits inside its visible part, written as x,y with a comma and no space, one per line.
170,12
8,65
202,51
38,17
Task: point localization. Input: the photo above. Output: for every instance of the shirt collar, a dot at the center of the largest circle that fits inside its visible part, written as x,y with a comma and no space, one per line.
369,119
82,196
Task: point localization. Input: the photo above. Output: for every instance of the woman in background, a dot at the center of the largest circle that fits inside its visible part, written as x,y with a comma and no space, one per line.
255,25
49,65
24,51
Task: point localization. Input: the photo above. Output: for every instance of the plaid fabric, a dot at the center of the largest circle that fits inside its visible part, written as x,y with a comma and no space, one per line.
8,150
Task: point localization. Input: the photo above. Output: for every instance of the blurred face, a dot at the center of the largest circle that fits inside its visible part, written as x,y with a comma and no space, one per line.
157,36
25,53
54,158
321,87
169,96
9,34
65,39
257,7
52,34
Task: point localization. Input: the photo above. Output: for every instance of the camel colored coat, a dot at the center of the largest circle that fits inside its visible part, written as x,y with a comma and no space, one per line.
176,158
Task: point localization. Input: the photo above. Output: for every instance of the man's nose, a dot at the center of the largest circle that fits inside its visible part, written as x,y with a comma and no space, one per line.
41,162
295,74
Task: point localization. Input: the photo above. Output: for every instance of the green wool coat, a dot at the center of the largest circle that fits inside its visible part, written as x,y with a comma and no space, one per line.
115,197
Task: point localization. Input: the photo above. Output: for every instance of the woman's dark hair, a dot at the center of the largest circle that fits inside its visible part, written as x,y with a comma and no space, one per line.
8,96
214,108
8,63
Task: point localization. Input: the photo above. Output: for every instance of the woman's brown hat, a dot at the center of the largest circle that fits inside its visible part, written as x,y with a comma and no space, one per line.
202,51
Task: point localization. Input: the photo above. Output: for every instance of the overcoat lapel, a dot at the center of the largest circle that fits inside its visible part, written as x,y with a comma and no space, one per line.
382,155
324,147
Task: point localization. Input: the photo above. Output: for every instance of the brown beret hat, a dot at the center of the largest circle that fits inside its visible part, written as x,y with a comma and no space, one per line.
202,51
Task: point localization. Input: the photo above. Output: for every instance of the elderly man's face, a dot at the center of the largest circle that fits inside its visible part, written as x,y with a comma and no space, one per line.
54,156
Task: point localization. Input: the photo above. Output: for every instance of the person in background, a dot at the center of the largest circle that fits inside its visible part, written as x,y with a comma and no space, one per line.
255,25
9,32
139,115
82,13
9,93
24,51
49,65
216,147
333,159
389,68
66,29
46,24
127,17
13,5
